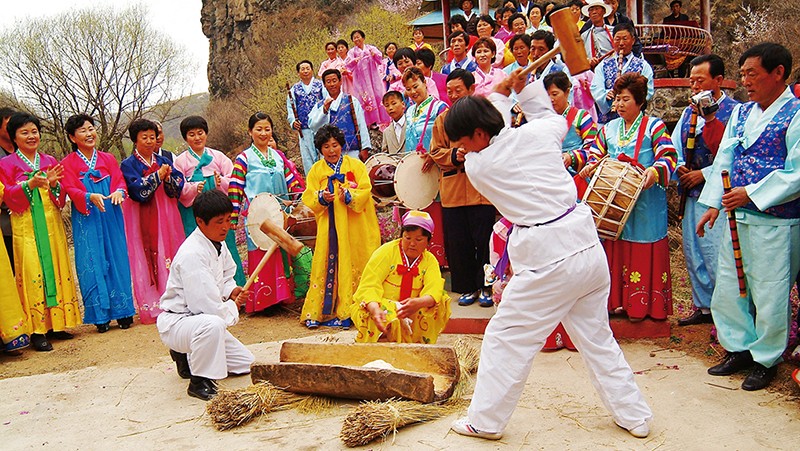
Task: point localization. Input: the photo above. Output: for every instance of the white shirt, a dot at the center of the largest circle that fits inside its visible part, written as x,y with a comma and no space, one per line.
200,281
399,128
529,184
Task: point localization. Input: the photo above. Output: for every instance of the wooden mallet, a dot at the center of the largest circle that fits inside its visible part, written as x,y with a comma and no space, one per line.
570,45
281,239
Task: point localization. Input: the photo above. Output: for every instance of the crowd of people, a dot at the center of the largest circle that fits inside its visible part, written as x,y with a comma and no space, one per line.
154,235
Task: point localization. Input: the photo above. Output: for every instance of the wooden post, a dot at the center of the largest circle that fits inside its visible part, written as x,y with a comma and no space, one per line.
483,7
632,10
705,15
445,21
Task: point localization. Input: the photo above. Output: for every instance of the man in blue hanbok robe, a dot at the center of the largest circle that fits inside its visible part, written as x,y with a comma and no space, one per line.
761,150
701,254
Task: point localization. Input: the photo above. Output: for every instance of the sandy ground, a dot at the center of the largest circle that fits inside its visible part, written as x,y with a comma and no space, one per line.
144,405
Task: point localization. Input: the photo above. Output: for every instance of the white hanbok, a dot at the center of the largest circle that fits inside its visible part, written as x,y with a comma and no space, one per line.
196,314
560,270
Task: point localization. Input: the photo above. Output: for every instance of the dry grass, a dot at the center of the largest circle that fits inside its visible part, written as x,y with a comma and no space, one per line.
233,408
374,420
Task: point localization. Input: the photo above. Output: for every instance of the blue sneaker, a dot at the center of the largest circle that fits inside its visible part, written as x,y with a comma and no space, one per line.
311,324
467,298
485,299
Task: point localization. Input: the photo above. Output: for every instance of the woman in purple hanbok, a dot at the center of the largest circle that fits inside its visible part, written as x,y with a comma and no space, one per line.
365,62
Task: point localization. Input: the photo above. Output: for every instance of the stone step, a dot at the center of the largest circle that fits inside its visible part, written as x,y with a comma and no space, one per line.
474,318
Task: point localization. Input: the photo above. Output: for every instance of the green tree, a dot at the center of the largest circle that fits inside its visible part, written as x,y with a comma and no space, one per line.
106,62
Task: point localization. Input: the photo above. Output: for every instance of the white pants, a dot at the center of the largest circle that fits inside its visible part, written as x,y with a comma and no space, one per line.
573,291
212,351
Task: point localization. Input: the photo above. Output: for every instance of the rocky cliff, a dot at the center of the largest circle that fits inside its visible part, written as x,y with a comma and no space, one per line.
244,36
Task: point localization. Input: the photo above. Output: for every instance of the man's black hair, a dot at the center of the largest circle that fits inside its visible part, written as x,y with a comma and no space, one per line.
544,35
210,204
462,74
331,72
716,66
297,67
772,55
470,113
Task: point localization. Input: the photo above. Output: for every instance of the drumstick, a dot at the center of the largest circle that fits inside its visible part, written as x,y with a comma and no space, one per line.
595,165
260,266
737,250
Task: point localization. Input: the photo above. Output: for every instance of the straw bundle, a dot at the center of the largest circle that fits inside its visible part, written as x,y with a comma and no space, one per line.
233,408
469,356
373,419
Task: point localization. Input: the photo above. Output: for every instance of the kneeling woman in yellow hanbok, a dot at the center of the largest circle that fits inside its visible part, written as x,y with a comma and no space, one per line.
401,296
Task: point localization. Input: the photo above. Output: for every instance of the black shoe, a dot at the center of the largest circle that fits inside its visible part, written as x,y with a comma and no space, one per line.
202,388
697,317
40,343
759,378
61,335
733,363
182,363
125,323
103,328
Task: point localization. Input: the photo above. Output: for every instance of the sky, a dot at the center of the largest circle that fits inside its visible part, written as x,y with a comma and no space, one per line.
179,19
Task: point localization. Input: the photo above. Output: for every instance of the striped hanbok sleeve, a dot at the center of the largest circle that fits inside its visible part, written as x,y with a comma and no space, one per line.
666,157
587,130
236,186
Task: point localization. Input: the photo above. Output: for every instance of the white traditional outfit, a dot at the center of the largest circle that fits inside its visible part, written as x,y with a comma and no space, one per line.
195,313
529,186
761,150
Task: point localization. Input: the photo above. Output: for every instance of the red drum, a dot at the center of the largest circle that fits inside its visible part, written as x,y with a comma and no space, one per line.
302,224
382,178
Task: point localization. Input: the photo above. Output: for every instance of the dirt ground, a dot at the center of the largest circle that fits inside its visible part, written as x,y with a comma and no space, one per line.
122,385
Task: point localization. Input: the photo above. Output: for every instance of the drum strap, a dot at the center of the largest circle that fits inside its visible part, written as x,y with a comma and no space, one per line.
572,113
420,147
639,139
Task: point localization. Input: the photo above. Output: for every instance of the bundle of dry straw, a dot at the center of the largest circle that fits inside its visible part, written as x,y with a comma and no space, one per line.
233,408
374,420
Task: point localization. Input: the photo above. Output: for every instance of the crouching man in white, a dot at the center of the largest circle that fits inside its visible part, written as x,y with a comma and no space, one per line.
560,269
202,300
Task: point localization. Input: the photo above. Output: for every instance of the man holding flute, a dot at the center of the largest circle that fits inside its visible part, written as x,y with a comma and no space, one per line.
694,164
761,150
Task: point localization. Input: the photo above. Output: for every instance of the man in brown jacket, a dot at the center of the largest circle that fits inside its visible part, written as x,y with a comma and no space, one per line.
467,216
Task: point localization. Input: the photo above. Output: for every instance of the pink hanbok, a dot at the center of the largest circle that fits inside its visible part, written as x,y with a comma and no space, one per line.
153,228
338,64
485,83
365,64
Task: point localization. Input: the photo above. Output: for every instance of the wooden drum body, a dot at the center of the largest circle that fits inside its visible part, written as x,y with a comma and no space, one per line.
612,194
